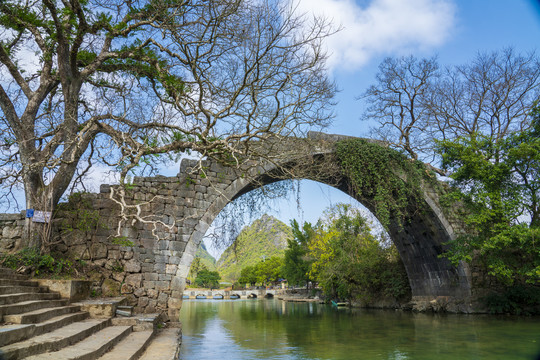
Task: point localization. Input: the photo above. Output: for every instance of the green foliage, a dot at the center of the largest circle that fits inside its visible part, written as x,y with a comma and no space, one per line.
266,271
248,275
38,263
296,264
207,279
377,174
123,241
498,181
195,268
516,299
350,263
269,270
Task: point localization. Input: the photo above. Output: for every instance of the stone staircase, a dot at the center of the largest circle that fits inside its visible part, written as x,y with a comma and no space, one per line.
37,324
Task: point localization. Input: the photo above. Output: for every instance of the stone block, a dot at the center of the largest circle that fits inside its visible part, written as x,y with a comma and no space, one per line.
74,290
149,285
162,299
162,285
143,302
118,276
110,287
132,266
79,252
153,293
11,232
174,303
165,277
150,276
139,292
159,268
147,268
98,251
170,269
114,254
126,289
134,280
177,245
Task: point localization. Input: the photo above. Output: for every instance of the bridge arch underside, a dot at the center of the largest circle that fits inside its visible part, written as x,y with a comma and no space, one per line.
419,238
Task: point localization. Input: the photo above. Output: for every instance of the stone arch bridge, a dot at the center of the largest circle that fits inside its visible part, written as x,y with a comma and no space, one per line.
150,264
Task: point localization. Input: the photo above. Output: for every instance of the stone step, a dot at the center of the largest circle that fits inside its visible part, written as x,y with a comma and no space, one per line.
15,289
89,348
27,306
15,282
15,298
54,340
131,347
12,275
164,346
10,334
40,315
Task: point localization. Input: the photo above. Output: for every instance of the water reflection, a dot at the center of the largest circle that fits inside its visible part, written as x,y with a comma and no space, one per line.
272,329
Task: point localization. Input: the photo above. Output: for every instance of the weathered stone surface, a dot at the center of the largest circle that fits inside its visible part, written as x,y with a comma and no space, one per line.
152,293
110,288
134,280
126,289
139,292
11,232
98,251
132,266
170,269
162,299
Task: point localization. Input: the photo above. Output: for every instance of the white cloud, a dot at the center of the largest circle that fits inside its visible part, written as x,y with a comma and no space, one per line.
382,27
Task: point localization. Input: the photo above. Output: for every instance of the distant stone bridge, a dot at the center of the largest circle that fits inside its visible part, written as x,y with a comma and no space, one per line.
150,264
229,294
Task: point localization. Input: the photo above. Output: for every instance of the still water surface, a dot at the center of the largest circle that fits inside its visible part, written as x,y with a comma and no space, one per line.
273,329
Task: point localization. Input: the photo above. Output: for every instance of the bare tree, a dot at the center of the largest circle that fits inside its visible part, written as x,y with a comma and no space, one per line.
414,103
117,82
397,102
492,96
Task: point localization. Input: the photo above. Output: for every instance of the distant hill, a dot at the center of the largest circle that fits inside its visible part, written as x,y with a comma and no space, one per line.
265,237
208,260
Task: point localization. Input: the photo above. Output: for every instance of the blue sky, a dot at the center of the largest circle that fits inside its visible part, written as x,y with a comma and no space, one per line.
455,31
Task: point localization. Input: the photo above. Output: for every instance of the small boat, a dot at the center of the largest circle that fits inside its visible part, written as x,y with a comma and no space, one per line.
338,304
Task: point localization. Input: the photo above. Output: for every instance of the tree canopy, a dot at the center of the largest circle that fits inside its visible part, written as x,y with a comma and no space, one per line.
116,83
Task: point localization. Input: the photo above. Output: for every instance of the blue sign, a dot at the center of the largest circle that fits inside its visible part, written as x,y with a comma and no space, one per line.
29,213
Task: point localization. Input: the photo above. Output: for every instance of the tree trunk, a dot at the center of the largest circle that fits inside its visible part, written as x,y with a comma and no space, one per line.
36,234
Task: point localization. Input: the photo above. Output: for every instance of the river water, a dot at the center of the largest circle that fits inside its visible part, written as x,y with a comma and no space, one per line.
273,329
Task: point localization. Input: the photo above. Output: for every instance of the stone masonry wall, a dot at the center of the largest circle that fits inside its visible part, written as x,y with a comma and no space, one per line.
147,262
11,226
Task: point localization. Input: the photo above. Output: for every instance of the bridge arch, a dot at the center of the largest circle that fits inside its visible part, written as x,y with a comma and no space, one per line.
420,238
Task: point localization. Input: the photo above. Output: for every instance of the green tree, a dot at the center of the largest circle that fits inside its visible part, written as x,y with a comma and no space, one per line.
351,263
499,183
248,275
207,279
269,270
196,267
296,264
118,82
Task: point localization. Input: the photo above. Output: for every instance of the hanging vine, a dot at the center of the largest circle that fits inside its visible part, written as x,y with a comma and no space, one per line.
385,179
